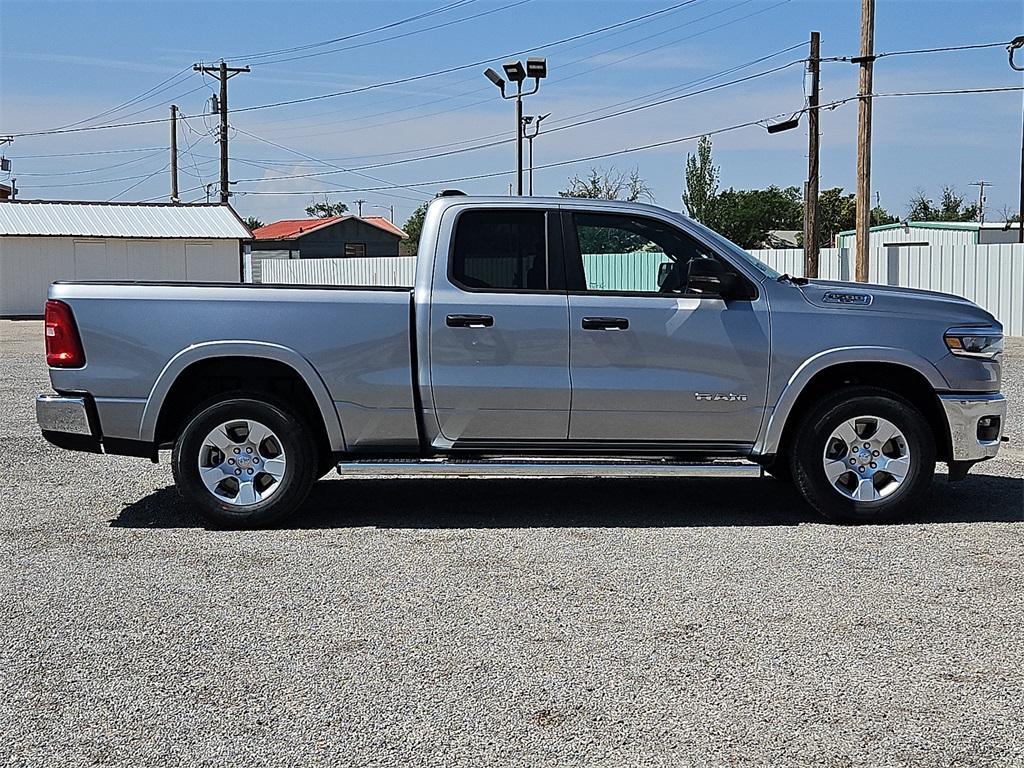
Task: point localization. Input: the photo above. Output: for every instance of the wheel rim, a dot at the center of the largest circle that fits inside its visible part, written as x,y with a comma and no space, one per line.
866,459
242,462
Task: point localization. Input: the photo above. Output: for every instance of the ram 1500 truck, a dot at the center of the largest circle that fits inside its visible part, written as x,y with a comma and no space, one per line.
542,337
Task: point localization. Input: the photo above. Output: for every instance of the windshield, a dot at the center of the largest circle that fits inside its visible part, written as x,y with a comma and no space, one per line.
731,248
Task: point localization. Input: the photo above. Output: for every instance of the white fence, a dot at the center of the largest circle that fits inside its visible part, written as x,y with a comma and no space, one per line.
992,276
390,270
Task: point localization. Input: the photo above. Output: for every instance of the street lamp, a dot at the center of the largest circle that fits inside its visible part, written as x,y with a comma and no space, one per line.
537,69
390,208
530,136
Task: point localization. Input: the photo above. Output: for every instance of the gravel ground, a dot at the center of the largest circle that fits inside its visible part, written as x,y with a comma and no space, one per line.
491,622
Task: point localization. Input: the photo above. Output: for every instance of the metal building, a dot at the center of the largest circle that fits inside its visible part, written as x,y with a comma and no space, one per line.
933,233
45,241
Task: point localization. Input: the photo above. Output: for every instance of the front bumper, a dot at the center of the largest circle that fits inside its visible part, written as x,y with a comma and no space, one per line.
963,412
67,422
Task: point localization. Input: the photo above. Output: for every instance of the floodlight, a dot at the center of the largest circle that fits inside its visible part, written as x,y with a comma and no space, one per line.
514,71
537,67
494,77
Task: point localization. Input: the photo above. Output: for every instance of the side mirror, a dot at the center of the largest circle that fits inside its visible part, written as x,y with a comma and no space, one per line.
709,277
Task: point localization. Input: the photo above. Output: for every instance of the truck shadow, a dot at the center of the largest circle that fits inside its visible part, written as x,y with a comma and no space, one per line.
569,503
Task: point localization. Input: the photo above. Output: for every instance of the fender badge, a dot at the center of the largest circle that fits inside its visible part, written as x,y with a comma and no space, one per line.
842,297
729,397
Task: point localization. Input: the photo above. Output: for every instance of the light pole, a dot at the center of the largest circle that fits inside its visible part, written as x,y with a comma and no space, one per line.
390,208
1017,43
537,68
527,122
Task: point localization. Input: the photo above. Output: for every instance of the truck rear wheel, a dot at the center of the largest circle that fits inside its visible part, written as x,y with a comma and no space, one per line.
244,462
863,455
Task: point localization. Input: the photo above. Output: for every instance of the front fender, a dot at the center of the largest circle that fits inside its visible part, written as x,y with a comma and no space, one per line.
768,441
240,348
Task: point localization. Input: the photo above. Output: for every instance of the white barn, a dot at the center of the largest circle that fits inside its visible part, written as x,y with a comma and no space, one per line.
43,241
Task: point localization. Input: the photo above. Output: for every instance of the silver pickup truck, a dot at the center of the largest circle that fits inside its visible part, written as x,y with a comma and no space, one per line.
542,337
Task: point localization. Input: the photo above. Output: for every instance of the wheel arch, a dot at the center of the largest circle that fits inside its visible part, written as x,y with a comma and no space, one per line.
186,371
897,371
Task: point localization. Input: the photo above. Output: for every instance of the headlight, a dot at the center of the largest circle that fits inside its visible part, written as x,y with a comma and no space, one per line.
974,342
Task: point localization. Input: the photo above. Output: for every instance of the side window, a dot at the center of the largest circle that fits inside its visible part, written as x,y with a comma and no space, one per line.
500,250
354,250
634,254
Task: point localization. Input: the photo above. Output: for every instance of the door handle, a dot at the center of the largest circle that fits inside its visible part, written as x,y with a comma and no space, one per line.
605,323
469,321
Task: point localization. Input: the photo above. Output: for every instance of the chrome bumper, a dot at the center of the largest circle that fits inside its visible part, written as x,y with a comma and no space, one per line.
963,413
63,413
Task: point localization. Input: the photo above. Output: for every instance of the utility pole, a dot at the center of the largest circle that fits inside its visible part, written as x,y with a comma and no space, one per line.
223,73
866,60
981,198
1016,44
174,154
813,155
359,206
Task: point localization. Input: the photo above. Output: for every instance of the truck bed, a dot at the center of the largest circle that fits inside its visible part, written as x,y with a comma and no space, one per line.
353,342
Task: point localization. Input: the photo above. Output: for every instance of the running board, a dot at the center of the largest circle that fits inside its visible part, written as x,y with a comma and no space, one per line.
544,467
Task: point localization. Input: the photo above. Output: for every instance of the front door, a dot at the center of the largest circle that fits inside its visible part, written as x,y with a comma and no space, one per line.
499,329
653,361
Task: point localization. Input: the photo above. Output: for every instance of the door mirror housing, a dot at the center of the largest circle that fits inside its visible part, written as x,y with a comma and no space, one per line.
709,277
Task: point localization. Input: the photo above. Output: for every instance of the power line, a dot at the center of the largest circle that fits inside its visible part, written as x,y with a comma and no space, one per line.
95,152
129,102
915,51
381,28
143,181
450,23
568,126
94,170
580,60
653,145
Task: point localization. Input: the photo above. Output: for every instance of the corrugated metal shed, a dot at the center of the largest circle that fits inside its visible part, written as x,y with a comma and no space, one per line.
30,218
933,233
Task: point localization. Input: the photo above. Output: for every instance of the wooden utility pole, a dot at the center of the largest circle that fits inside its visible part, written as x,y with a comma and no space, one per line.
174,154
359,207
981,198
813,154
223,73
866,61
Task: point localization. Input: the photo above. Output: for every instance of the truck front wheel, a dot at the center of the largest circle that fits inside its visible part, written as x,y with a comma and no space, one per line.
244,462
863,455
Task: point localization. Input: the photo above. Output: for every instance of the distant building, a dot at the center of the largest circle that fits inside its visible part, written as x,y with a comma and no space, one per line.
933,233
45,241
6,191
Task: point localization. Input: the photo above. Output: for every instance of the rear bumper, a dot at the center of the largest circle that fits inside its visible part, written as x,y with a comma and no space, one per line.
964,412
66,421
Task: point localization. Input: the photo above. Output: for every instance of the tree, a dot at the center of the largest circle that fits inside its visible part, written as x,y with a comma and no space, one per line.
701,182
746,216
413,226
837,212
601,184
325,209
951,208
252,222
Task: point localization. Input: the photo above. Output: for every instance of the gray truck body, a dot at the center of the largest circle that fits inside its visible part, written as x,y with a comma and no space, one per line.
391,376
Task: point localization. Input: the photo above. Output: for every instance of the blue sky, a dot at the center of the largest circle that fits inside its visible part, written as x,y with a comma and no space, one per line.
62,62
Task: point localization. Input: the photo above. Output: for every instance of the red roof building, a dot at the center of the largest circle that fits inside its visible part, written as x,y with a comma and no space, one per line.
335,237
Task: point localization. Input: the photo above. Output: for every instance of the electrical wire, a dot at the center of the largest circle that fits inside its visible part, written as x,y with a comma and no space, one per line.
450,23
568,126
143,181
659,144
915,51
352,36
159,150
134,100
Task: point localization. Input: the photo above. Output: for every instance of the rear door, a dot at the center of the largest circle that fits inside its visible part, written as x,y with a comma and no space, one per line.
652,361
499,328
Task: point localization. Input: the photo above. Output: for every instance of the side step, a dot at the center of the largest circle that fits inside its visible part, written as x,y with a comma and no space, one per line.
544,467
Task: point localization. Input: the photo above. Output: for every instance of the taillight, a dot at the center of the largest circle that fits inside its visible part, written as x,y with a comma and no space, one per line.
63,344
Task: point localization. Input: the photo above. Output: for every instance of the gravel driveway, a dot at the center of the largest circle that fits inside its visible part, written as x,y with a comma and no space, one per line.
498,623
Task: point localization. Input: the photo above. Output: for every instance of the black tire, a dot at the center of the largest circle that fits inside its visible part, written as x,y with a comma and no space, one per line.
291,431
808,449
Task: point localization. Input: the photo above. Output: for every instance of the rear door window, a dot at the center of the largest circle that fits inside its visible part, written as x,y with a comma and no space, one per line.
500,250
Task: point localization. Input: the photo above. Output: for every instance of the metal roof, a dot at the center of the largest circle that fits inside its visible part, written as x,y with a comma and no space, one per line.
141,220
